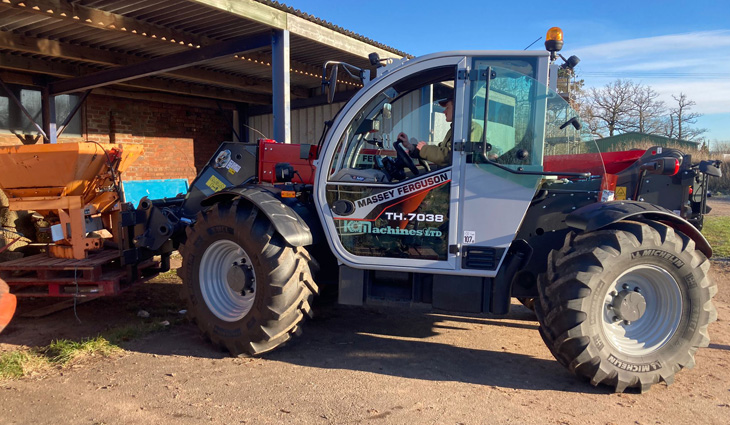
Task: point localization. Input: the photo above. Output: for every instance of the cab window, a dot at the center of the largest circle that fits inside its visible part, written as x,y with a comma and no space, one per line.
366,150
510,102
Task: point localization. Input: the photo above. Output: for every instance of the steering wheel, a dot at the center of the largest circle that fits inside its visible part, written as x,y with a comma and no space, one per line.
404,158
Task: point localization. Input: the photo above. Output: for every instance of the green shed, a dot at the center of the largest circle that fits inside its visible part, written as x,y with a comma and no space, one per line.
634,140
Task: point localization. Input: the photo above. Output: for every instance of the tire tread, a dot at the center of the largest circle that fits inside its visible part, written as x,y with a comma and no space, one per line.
289,287
570,275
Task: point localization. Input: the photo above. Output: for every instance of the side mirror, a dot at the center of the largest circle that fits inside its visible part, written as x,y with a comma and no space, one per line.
375,60
387,118
329,85
387,111
711,168
575,122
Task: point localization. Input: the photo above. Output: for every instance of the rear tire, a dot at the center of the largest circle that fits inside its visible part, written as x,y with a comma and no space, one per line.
627,306
247,289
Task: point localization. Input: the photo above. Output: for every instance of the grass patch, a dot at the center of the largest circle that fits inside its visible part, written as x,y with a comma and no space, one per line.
717,232
16,364
63,351
136,330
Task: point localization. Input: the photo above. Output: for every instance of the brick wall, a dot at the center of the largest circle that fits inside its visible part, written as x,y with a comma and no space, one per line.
178,140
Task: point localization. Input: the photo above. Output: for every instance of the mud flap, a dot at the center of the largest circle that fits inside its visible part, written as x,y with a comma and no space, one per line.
8,303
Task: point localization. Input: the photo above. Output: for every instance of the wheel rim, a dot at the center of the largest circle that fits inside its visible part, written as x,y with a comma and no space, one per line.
227,280
648,330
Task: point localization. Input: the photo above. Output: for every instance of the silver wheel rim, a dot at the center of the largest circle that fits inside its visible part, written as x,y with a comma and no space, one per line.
659,321
215,281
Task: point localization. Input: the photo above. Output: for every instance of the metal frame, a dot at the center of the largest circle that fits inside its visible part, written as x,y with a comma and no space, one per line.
162,64
17,102
281,86
278,40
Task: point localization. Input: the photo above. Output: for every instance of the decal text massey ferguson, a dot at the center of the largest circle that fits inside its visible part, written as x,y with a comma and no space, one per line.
365,207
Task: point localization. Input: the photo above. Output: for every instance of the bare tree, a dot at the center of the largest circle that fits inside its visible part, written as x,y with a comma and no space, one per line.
582,104
680,118
611,106
647,111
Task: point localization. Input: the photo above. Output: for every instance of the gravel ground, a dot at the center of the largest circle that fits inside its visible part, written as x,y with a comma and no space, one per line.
352,365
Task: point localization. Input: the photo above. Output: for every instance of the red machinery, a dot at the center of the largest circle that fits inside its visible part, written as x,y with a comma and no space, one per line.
8,302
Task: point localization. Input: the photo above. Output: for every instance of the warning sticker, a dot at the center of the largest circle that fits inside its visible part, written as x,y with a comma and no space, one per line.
620,194
233,167
215,184
470,237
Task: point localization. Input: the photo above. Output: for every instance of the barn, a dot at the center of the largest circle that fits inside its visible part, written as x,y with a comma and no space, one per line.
176,76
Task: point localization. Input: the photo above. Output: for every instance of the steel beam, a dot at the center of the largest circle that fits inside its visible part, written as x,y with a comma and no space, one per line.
48,112
90,55
163,64
280,79
80,15
340,96
149,84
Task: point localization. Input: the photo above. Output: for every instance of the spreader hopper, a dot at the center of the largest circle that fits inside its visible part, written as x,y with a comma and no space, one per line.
75,185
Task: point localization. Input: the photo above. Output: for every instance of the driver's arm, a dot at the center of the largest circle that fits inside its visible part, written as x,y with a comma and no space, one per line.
439,155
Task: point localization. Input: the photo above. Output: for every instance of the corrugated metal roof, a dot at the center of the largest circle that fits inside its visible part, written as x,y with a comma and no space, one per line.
327,24
72,38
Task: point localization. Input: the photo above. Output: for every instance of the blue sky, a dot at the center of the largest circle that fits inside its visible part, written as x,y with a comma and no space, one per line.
672,46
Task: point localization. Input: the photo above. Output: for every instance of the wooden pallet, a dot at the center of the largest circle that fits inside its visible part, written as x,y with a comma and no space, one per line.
44,276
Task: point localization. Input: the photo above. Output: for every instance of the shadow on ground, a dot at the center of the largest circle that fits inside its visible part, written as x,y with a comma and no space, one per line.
382,340
397,343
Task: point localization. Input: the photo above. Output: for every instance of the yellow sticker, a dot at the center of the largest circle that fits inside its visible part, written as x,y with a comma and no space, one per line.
215,184
620,193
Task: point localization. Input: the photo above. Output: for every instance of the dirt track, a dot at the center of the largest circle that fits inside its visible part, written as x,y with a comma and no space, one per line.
351,365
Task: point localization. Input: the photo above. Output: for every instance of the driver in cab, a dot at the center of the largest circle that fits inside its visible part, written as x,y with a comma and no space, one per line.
439,154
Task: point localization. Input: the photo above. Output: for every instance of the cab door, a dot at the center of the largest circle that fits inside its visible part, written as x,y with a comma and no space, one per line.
377,211
507,98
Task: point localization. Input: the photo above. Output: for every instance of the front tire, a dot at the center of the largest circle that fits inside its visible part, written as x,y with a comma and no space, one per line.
245,286
627,306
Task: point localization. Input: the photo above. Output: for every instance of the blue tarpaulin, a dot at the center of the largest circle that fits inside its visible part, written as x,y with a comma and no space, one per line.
135,190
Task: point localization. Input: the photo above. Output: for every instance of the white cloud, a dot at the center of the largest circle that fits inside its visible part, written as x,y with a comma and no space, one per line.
660,65
704,40
711,98
697,64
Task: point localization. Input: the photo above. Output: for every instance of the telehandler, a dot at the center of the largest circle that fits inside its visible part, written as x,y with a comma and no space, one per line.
605,246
